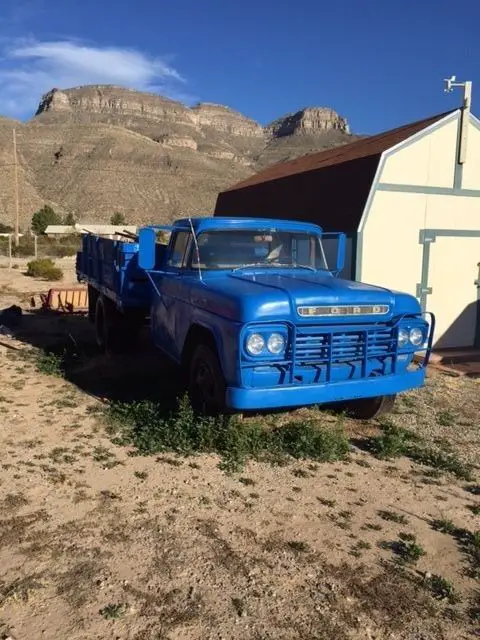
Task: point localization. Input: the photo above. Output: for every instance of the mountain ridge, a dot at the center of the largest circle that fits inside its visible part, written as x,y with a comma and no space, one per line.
78,153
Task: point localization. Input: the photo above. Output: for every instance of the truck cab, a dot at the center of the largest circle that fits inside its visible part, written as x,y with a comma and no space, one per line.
256,313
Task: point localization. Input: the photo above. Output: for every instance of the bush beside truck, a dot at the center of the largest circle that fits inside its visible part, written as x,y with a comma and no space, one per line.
45,269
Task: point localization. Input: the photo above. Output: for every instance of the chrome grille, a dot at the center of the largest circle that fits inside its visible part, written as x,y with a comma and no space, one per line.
315,345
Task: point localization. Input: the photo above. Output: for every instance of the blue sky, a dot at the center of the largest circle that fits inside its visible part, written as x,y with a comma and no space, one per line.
379,63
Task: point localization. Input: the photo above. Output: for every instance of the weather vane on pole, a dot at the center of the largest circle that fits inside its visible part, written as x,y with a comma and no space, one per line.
450,83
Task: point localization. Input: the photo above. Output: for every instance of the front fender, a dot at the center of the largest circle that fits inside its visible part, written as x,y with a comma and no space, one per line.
225,334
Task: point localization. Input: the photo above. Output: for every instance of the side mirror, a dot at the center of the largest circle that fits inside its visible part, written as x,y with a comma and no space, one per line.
341,251
341,242
146,252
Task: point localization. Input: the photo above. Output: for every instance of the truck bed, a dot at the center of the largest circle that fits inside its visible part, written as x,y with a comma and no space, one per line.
111,267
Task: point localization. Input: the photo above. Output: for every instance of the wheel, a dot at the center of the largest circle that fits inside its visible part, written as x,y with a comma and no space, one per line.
368,408
92,303
206,383
101,324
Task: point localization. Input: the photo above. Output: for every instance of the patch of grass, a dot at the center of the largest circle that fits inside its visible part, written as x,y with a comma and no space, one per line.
391,516
20,590
444,525
143,425
141,475
14,501
392,443
326,502
300,473
360,546
298,546
474,508
248,482
395,442
113,611
173,462
445,419
441,588
44,268
372,527
105,457
61,454
443,460
407,548
50,364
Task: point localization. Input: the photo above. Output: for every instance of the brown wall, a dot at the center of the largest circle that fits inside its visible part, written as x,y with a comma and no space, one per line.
333,197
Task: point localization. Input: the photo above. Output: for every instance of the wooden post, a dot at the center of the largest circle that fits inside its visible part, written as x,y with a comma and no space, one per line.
17,208
35,245
9,250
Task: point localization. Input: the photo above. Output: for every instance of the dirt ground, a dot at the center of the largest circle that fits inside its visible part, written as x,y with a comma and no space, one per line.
98,543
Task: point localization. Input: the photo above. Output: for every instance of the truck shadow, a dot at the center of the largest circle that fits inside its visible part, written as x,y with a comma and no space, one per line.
135,375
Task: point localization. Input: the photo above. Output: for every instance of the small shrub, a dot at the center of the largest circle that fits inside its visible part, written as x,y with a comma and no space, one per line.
44,268
143,425
445,419
441,588
444,525
51,364
407,548
113,611
392,516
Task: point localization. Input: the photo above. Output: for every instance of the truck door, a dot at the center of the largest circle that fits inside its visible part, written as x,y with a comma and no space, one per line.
171,285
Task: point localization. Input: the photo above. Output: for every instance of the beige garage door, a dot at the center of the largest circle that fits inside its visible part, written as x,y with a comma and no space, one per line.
452,274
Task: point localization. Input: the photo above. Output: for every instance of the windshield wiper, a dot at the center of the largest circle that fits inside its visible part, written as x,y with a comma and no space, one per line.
276,264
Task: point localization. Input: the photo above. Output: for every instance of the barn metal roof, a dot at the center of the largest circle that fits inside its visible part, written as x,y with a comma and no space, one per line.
373,145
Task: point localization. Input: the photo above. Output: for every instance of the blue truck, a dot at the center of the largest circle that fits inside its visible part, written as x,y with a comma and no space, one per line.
255,315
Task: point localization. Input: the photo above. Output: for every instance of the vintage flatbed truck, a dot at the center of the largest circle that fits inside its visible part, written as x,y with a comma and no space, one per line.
255,316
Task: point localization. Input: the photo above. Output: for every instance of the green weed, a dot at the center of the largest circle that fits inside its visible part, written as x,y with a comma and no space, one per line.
143,425
392,516
445,419
113,611
441,589
407,548
444,525
50,364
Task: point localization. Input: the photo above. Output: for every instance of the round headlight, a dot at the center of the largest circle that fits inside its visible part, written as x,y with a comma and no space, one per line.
255,344
276,343
416,336
403,337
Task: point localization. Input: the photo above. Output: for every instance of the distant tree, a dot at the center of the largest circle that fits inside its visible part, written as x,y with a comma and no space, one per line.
69,220
5,228
117,218
42,218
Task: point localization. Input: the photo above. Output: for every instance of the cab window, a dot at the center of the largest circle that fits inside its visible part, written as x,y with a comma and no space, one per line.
179,252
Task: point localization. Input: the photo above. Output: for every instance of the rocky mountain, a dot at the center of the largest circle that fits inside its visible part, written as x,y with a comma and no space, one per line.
97,149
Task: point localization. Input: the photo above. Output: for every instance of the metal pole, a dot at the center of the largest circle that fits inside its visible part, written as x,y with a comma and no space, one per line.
15,165
35,245
467,101
9,250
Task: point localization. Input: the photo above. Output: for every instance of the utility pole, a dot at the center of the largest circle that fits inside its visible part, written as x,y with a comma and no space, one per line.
450,83
17,208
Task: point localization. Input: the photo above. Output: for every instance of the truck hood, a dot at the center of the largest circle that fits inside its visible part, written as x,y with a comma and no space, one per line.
308,289
260,296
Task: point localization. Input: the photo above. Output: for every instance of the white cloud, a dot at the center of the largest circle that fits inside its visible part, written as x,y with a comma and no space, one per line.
30,68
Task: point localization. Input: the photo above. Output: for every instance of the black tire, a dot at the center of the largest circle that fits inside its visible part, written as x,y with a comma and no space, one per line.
206,382
102,329
369,408
92,303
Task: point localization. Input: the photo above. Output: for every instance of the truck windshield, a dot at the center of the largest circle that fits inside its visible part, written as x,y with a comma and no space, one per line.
236,249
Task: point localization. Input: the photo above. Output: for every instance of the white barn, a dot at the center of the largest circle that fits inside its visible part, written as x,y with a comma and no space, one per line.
409,201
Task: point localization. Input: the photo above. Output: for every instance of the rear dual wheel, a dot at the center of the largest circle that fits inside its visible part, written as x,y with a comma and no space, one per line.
369,408
115,332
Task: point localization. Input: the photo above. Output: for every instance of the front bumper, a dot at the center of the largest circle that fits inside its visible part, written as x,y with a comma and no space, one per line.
297,395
